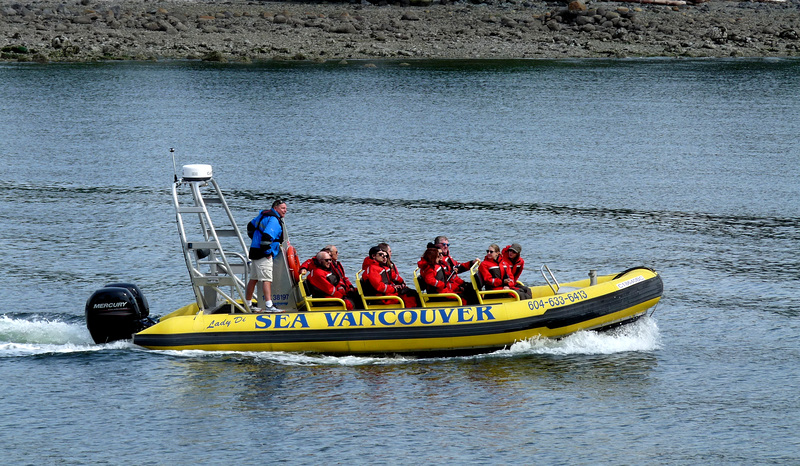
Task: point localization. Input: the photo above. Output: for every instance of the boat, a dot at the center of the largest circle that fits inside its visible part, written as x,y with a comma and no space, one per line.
215,253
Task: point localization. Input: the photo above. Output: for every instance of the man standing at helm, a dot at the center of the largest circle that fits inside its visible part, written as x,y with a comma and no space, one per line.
266,244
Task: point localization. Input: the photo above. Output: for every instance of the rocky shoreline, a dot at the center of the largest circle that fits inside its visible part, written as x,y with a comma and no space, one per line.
244,31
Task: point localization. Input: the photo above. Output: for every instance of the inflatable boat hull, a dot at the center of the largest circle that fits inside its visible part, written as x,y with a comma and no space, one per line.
465,329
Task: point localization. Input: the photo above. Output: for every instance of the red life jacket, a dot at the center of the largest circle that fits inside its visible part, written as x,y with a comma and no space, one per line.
309,265
434,278
452,267
336,267
324,284
494,273
517,266
377,279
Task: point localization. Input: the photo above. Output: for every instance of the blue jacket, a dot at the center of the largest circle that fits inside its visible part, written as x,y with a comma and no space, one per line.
268,236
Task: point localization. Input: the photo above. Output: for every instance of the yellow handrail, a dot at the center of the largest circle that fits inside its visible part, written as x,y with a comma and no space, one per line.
510,295
367,299
310,302
425,297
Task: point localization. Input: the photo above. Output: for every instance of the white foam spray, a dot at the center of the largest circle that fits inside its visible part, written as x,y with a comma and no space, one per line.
39,335
642,335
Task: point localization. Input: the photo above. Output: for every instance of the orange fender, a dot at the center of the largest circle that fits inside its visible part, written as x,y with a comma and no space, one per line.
293,262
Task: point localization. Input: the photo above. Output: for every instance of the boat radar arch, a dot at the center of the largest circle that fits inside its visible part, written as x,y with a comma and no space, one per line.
196,172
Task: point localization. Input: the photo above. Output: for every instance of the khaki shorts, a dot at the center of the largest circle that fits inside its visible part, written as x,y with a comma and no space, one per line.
261,269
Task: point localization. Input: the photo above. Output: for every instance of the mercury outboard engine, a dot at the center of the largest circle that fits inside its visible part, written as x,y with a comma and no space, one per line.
116,312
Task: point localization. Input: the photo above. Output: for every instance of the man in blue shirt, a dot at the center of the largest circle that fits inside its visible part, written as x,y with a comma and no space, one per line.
266,244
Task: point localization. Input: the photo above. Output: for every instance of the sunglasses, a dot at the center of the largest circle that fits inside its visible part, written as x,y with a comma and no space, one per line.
490,251
382,254
445,244
326,260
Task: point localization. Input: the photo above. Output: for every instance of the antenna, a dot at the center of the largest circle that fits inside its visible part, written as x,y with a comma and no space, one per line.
174,167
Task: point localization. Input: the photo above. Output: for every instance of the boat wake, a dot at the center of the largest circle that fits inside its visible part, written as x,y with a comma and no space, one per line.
641,336
33,334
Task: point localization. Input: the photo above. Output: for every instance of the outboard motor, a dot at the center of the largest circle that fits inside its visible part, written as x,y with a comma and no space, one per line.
116,312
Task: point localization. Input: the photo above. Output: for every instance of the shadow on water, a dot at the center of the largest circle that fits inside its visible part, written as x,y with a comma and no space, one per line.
261,383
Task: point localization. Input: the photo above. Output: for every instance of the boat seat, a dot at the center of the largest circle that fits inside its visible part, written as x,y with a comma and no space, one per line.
317,304
435,299
376,302
489,296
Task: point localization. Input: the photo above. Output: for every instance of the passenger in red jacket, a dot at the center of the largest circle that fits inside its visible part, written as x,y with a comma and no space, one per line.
434,274
308,265
497,274
403,289
452,266
377,277
324,282
338,269
515,261
337,266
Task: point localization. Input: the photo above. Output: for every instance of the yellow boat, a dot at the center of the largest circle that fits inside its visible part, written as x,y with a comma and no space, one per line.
219,321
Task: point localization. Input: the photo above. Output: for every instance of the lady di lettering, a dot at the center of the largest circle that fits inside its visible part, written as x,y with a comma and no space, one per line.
225,322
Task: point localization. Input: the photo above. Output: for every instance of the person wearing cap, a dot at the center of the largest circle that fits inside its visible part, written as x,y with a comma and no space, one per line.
511,255
497,273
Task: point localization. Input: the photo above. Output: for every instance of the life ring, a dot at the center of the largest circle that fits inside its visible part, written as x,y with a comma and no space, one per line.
293,263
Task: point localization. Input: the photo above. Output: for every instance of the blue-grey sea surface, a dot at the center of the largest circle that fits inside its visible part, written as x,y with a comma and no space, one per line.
690,167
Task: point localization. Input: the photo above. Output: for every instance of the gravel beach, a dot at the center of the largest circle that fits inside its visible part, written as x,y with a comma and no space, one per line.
242,31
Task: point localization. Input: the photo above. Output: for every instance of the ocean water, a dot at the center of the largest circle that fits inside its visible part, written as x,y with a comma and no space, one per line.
686,166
